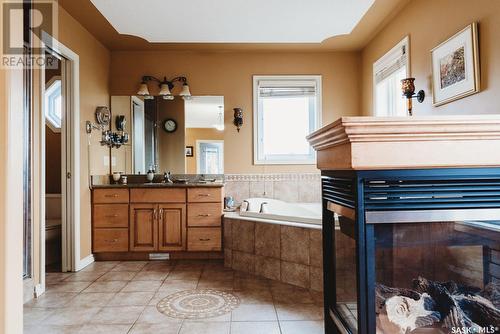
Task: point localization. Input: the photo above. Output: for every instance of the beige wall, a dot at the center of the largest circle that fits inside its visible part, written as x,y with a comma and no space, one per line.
194,134
230,75
94,91
428,23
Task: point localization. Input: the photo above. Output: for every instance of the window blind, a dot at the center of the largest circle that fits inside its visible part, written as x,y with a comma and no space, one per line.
282,89
390,63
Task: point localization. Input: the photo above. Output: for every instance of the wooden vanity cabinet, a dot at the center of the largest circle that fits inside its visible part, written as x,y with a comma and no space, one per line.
110,220
156,220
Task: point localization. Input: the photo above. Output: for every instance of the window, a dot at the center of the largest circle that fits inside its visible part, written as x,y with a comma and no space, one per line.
53,104
210,156
286,110
388,72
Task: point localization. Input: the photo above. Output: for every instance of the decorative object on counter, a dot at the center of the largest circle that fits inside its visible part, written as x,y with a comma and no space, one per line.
170,125
189,151
238,118
108,138
117,176
455,66
150,175
124,179
408,88
228,203
166,87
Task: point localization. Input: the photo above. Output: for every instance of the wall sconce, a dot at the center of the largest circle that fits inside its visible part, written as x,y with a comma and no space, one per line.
238,118
166,87
108,138
408,88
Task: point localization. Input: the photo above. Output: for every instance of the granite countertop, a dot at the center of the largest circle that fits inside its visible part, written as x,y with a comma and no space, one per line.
160,185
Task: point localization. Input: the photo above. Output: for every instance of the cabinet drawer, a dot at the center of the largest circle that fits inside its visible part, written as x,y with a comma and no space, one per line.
204,214
110,215
148,195
110,196
205,195
110,240
204,239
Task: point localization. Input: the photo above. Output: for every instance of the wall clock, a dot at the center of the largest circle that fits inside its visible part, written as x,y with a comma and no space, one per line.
170,125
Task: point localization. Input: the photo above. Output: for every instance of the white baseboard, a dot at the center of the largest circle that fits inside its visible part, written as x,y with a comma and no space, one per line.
84,262
39,290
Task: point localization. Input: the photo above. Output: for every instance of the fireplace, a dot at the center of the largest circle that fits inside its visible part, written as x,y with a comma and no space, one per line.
412,251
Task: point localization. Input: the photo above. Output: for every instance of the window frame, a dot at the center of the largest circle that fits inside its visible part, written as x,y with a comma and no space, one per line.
385,61
258,158
54,85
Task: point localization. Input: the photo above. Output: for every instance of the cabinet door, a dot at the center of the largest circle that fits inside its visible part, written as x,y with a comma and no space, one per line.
172,227
143,227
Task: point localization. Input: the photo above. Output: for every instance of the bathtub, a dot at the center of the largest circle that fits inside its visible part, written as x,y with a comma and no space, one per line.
276,210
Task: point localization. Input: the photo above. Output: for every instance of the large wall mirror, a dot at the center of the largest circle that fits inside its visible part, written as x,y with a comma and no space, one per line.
180,136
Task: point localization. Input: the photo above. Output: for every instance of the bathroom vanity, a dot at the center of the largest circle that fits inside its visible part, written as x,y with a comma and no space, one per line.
133,221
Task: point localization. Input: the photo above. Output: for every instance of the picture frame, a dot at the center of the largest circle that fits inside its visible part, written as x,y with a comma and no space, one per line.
455,67
189,151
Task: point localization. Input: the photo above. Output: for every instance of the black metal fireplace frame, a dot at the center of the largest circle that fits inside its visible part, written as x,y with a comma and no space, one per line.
470,192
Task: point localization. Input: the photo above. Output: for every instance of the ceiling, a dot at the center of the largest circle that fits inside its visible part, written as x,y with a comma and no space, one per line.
233,21
233,29
203,111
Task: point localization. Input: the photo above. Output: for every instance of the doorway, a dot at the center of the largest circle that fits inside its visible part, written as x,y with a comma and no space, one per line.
54,114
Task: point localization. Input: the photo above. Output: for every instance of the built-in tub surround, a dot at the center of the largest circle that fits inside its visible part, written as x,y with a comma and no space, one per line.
295,188
279,252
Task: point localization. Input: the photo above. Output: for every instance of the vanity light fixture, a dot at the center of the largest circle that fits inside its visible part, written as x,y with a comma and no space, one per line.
408,88
166,87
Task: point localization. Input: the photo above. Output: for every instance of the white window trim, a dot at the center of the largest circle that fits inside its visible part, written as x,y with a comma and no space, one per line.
319,111
55,80
385,61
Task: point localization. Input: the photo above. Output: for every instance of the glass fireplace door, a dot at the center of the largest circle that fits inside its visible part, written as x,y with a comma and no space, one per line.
439,277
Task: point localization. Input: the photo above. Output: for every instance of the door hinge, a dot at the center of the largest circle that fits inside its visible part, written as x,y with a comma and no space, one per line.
68,175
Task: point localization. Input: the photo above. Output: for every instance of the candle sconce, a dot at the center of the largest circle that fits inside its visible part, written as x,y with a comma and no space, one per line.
408,88
238,118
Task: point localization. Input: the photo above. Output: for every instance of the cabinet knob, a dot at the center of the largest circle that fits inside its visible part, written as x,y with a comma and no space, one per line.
204,195
112,240
204,239
204,215
112,216
111,195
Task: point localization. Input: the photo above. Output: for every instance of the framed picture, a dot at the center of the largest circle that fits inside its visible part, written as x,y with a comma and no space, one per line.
189,151
455,67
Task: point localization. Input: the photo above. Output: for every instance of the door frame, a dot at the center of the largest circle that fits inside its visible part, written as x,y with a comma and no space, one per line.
70,159
200,141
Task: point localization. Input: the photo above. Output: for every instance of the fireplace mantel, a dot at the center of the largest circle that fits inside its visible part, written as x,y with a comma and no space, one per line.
372,143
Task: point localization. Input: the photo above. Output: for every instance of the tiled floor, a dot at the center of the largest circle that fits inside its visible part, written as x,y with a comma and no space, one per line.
121,297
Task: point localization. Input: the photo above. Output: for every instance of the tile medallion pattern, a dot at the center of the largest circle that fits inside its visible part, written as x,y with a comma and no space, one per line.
198,304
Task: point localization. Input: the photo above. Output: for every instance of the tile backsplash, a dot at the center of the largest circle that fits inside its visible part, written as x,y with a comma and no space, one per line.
297,187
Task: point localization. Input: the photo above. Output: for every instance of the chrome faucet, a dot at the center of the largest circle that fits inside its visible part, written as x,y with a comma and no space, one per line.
166,177
262,207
